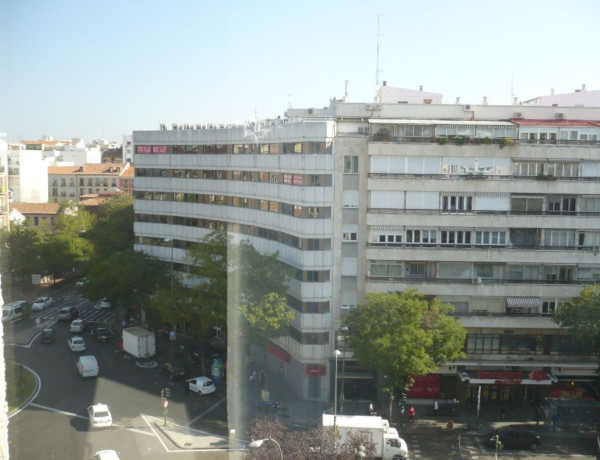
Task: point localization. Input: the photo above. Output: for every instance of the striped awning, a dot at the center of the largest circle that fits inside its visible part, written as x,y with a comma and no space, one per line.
528,197
524,302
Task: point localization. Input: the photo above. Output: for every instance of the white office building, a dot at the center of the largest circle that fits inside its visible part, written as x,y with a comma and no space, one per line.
495,209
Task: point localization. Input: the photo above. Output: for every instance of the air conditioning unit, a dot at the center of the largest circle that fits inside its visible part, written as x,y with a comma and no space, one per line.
518,115
560,116
369,106
377,107
163,127
311,111
467,107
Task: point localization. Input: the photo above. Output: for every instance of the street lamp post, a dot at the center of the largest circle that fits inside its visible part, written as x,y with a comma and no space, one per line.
256,444
336,353
342,395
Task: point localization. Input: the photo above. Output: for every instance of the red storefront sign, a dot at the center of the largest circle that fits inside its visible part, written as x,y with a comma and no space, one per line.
314,369
279,353
425,386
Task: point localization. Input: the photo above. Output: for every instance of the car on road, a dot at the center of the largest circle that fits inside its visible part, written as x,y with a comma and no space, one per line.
15,311
172,371
48,335
99,415
77,325
76,344
102,334
87,366
201,385
81,282
41,303
515,437
68,313
107,454
104,304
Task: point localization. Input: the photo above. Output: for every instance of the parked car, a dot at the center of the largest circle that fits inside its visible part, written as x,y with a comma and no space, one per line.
76,344
41,303
81,282
99,415
48,335
173,372
106,454
68,313
515,437
87,366
102,334
77,325
201,385
104,304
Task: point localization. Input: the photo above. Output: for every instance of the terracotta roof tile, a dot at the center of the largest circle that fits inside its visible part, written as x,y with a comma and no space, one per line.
36,208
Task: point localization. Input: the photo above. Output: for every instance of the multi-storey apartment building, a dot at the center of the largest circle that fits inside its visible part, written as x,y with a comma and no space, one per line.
73,182
494,209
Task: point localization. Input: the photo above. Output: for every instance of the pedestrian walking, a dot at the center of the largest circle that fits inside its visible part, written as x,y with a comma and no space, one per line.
503,413
435,407
371,408
555,421
457,447
411,414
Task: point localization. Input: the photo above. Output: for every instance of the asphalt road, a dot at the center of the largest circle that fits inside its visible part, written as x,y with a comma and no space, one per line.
55,425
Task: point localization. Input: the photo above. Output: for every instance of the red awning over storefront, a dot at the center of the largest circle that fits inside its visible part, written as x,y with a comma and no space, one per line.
279,353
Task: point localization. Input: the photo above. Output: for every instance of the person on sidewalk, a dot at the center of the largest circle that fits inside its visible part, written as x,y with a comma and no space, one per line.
503,413
411,414
457,448
435,407
555,422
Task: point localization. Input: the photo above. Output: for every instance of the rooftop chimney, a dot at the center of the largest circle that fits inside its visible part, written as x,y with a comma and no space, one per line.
420,87
484,100
515,100
583,87
384,83
458,100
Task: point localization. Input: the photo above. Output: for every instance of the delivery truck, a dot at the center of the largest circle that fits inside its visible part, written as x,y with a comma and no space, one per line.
388,445
139,342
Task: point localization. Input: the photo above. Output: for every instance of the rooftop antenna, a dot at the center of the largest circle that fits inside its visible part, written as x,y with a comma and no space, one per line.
345,90
377,70
512,88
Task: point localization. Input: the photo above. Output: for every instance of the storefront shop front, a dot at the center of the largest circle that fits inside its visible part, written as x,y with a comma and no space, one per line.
532,385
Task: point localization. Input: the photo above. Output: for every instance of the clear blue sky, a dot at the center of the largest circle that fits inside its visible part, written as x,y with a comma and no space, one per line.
101,69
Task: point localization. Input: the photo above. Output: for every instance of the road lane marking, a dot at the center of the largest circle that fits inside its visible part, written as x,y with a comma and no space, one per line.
214,406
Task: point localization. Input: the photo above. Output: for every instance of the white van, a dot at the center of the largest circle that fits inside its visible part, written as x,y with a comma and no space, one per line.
87,366
15,311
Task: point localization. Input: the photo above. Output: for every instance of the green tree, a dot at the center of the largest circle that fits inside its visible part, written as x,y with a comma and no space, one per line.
113,228
260,282
402,335
126,278
22,255
582,317
266,319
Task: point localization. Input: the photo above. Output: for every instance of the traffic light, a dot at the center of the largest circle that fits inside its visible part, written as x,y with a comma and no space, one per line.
165,393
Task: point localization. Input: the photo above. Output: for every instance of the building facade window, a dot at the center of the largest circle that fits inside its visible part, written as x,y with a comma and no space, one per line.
351,164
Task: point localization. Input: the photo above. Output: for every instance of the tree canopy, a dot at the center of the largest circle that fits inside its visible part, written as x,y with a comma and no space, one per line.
582,316
403,334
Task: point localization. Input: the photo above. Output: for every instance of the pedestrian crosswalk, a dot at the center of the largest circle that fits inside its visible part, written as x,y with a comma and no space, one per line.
50,315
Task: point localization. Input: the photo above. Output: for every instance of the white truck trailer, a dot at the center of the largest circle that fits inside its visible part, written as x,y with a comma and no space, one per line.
139,342
388,445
